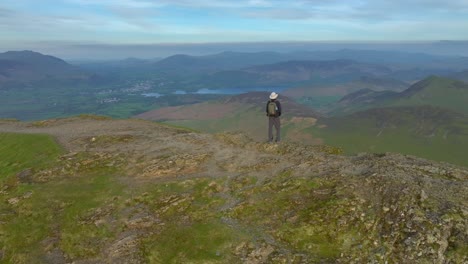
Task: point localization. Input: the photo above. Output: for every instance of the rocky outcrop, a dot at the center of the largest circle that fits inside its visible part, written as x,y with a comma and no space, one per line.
131,191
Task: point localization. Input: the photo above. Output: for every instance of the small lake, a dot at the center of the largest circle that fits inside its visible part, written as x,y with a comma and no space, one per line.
239,90
227,91
152,95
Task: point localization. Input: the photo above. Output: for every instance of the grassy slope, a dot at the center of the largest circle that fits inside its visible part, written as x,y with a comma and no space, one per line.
36,211
438,136
441,92
434,91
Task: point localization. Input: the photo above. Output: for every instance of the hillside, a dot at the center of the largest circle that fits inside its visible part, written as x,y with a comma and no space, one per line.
463,76
29,66
360,100
434,91
425,131
132,191
345,88
245,112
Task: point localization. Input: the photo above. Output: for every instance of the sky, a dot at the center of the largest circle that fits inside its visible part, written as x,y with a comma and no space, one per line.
72,27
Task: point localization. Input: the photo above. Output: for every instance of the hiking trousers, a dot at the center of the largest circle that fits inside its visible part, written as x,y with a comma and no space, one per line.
274,121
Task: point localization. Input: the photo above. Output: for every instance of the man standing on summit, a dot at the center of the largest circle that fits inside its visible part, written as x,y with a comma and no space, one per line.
273,110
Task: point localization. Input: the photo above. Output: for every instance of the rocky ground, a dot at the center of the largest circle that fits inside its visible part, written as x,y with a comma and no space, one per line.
141,192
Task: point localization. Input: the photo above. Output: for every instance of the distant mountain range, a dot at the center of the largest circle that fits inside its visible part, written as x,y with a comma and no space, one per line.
235,69
232,69
217,62
295,73
237,60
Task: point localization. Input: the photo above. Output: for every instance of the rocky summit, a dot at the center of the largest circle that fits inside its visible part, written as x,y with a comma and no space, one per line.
134,191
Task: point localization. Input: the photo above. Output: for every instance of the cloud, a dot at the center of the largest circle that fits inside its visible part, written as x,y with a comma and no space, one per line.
377,10
282,14
116,3
139,17
159,21
4,12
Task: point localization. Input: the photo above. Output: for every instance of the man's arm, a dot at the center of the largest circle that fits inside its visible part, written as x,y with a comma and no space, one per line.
279,107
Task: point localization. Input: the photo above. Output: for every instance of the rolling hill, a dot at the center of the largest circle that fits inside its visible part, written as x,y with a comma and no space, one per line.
36,86
183,64
434,91
463,76
344,88
29,66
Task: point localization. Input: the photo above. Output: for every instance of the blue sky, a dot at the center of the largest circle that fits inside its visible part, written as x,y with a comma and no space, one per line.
24,23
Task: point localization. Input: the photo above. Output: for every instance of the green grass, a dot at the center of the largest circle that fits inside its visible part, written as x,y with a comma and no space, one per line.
54,210
42,210
22,151
193,230
194,243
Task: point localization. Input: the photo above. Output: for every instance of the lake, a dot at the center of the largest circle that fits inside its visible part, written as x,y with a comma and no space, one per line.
239,90
227,91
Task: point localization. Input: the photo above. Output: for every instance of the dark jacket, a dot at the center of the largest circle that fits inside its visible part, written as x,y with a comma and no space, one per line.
278,105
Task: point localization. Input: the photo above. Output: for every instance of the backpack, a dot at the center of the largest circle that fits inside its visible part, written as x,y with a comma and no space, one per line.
272,109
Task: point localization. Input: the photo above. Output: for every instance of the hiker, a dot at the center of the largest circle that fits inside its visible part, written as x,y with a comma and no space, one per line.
273,110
